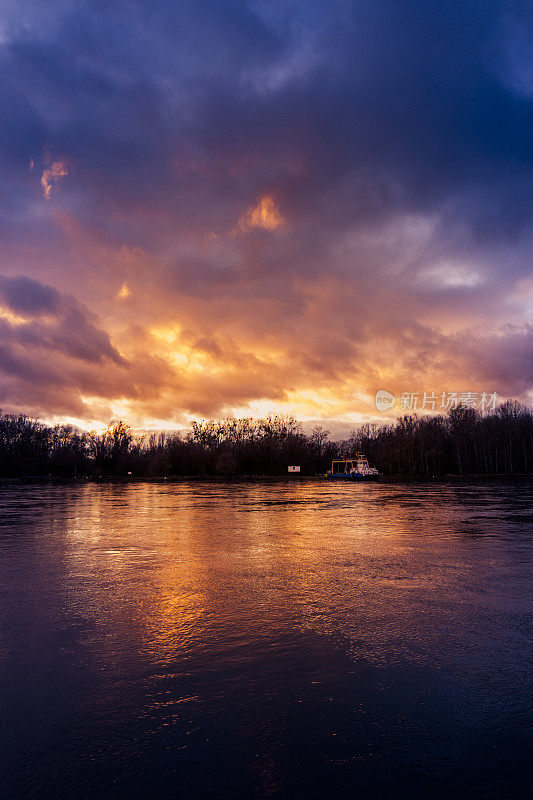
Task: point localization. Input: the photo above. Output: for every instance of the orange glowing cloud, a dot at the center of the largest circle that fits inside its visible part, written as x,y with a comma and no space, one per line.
51,176
124,292
265,215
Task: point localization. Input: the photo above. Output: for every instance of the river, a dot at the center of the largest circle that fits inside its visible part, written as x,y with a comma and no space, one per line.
265,639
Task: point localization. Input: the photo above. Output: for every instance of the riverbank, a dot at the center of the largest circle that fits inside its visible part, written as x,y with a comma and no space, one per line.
290,478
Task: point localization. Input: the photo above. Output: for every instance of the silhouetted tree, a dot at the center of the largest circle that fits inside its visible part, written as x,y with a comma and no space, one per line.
462,442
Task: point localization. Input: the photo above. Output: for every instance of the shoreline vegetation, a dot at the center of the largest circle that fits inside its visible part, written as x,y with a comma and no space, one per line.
462,442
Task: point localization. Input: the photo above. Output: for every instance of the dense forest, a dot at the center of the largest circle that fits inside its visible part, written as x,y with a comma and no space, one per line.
461,442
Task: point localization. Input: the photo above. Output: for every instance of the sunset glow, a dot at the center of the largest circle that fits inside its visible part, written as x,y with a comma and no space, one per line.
266,399
261,212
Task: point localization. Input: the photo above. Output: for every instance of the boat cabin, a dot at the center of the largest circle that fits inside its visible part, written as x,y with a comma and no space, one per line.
355,467
357,463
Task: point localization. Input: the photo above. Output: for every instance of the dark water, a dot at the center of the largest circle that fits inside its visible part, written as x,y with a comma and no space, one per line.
271,639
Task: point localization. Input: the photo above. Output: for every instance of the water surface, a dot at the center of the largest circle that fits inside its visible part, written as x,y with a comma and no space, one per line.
295,639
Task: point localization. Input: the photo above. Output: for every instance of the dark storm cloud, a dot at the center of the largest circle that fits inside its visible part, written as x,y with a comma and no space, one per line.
56,359
50,320
26,295
389,106
50,346
307,177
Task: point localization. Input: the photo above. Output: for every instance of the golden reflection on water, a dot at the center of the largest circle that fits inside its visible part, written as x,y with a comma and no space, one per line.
227,632
178,568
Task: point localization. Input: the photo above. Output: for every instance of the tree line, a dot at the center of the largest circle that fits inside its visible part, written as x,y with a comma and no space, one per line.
461,442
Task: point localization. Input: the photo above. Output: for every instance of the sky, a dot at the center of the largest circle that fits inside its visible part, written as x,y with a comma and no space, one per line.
212,208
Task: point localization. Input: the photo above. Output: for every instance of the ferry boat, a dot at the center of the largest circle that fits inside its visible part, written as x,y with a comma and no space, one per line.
352,469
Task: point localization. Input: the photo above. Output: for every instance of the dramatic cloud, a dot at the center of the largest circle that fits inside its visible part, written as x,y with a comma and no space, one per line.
239,206
51,348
